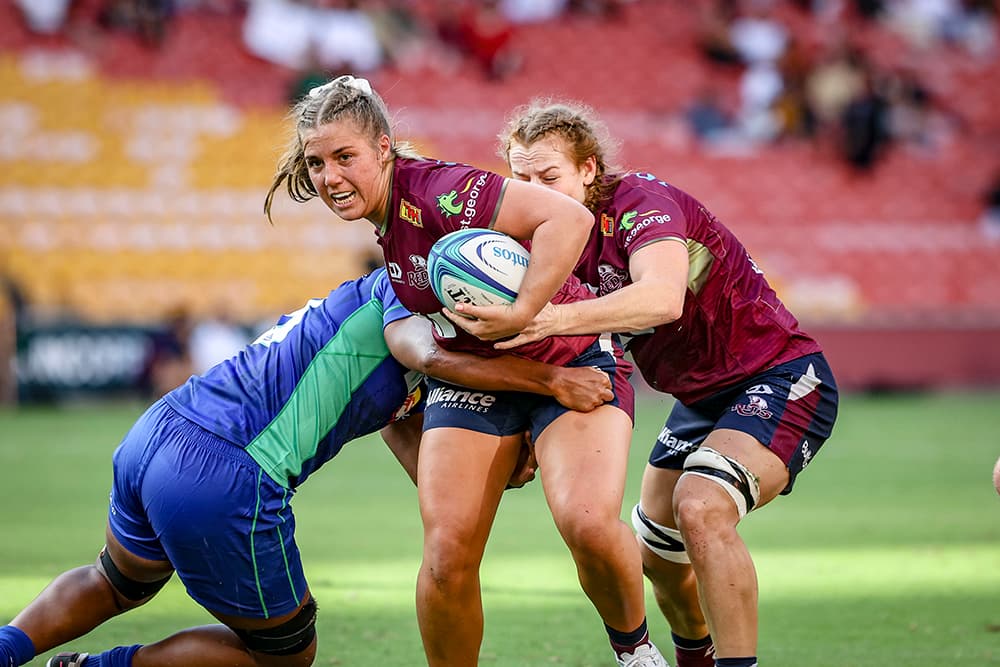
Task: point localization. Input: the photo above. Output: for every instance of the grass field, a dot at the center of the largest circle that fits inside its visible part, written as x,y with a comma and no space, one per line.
888,552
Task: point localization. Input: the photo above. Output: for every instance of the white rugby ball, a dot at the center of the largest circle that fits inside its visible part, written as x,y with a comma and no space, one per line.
478,266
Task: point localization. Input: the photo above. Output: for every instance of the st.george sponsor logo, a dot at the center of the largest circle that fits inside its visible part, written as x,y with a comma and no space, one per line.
462,399
452,204
629,224
673,443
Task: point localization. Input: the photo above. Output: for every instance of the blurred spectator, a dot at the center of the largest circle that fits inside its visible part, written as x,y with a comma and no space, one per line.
170,362
865,125
759,41
145,18
12,309
45,17
714,38
532,11
605,9
293,32
989,221
481,32
756,35
310,75
793,112
707,118
834,82
406,42
216,339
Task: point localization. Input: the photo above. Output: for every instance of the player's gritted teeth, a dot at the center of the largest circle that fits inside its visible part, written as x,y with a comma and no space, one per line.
343,199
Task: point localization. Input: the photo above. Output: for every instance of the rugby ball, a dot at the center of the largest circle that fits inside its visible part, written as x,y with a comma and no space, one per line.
478,266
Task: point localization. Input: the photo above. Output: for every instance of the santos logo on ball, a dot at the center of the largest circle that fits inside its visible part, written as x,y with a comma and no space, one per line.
476,401
492,250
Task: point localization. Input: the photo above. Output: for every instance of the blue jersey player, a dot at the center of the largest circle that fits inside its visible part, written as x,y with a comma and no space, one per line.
203,480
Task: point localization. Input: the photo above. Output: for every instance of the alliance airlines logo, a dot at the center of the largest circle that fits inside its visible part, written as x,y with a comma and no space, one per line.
454,203
461,399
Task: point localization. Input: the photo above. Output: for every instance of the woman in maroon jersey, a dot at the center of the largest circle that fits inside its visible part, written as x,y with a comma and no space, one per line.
755,397
344,154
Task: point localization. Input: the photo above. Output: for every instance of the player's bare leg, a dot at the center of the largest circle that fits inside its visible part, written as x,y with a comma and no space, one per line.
81,599
462,477
674,584
582,459
707,517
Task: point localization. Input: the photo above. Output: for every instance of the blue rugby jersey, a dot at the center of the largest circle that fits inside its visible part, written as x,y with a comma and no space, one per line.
319,378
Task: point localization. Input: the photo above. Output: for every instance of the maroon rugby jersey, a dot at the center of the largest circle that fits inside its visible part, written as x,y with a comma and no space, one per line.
429,199
732,326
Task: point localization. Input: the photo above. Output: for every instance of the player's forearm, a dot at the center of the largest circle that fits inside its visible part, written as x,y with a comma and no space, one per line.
629,310
555,249
505,373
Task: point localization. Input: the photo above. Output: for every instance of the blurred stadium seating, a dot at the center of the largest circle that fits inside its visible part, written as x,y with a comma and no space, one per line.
132,178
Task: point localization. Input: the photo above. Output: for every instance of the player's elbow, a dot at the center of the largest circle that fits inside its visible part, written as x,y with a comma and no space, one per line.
665,311
431,361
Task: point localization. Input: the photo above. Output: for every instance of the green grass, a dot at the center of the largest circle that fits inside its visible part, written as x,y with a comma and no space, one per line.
887,553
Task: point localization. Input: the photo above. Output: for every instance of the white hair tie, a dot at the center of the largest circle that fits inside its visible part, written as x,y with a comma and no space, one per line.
361,85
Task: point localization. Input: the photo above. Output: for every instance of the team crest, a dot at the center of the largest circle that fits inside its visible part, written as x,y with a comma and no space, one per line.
754,407
418,277
410,213
611,279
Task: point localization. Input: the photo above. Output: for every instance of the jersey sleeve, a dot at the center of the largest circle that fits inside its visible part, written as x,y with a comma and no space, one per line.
392,309
648,213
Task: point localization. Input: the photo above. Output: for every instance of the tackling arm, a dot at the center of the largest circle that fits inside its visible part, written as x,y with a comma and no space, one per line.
411,342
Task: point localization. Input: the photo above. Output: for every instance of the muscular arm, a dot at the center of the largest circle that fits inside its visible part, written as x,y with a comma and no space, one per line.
558,228
411,342
656,296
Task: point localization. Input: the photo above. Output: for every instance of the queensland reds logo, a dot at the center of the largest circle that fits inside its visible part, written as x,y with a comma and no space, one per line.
754,407
611,279
418,276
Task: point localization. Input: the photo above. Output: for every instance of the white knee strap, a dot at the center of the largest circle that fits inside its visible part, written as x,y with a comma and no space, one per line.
666,543
741,484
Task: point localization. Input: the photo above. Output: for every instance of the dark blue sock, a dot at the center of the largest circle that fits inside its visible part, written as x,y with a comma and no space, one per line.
690,644
15,647
120,656
736,662
626,642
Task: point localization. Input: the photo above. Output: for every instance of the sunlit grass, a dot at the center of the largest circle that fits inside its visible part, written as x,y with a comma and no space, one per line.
887,552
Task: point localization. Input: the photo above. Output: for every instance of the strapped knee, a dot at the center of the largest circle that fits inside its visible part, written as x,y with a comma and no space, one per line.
291,637
665,542
129,588
741,484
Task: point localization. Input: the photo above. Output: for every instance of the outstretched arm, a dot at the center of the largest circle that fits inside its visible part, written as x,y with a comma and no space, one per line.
411,342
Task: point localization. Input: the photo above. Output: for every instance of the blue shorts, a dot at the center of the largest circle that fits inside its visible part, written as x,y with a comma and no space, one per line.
508,413
790,409
184,495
